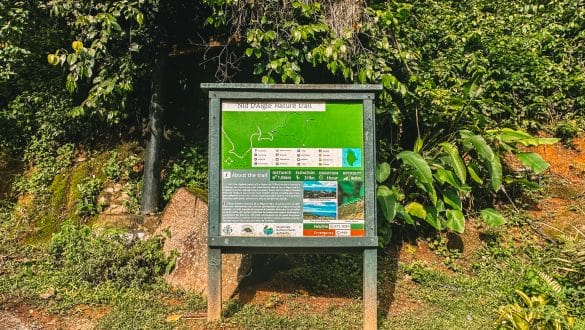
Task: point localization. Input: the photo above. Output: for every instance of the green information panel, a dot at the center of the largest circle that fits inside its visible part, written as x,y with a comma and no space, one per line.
292,168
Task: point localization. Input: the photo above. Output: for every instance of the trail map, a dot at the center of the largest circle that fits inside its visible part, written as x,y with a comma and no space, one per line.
292,168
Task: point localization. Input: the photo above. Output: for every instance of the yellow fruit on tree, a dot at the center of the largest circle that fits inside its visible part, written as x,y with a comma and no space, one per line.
52,59
77,45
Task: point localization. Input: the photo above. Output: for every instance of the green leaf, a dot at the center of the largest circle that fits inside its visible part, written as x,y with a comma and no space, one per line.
444,175
421,169
387,202
382,172
492,217
509,135
140,19
471,88
455,161
452,199
270,35
473,171
389,81
249,52
430,189
495,169
404,215
418,145
433,218
533,160
416,209
72,58
455,220
77,111
484,151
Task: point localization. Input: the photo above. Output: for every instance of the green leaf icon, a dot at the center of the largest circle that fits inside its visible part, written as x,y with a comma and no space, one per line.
351,157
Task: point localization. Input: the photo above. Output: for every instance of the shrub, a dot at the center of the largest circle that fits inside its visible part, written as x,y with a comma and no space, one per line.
189,170
534,312
108,255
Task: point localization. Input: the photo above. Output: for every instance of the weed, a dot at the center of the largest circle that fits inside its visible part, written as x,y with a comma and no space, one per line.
108,256
569,128
46,164
88,192
339,274
116,169
189,170
136,313
534,312
254,317
450,256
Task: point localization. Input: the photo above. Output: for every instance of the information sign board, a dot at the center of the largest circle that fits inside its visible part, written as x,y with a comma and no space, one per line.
291,169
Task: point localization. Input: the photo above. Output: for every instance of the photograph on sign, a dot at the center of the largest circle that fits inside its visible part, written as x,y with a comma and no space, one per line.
292,168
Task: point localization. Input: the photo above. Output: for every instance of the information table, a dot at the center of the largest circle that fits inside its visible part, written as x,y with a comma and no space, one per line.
291,170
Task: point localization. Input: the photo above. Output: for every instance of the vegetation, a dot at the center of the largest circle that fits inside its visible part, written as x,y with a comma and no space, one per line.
470,89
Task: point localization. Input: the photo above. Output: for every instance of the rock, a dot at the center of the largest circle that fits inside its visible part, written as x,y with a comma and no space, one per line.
130,222
186,218
47,294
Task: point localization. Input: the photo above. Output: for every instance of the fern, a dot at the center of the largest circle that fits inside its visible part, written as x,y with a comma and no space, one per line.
573,261
551,283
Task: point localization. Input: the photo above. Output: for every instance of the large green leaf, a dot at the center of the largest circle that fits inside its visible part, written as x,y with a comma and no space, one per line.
495,169
444,175
382,172
421,170
533,160
387,202
416,209
509,135
484,151
433,218
455,161
400,212
492,217
455,220
430,189
473,170
451,198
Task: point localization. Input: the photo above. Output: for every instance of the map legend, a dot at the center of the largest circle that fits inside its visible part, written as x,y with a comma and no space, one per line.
300,157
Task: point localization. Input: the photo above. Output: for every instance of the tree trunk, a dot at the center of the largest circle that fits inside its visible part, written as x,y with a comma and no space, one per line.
152,154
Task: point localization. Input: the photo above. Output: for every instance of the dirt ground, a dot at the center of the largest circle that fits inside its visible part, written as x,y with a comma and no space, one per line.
560,210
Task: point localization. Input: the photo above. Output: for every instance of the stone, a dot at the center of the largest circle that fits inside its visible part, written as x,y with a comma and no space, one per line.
185,217
130,222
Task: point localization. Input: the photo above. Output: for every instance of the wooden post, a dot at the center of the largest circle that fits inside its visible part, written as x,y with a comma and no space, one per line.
370,289
213,284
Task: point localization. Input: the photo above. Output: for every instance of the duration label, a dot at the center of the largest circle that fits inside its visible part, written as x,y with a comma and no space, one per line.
292,168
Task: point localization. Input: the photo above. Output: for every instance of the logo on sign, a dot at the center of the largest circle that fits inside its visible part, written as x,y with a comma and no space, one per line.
268,230
247,230
228,230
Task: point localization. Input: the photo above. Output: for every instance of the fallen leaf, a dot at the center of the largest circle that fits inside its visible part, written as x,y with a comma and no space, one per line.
173,318
47,294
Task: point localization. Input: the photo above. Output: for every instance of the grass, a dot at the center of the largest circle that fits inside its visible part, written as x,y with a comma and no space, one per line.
465,299
255,317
